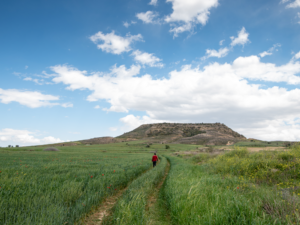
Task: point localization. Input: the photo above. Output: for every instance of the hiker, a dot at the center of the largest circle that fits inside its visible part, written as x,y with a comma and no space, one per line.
154,159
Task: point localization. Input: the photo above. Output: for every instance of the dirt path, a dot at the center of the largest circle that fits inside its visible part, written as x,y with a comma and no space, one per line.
105,209
156,210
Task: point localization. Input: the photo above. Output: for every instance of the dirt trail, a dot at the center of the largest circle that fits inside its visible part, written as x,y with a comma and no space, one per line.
104,209
155,208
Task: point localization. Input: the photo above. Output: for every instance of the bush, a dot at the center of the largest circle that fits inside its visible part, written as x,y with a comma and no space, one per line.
51,149
167,146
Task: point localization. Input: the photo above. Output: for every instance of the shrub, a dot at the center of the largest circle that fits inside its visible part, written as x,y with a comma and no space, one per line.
51,149
167,146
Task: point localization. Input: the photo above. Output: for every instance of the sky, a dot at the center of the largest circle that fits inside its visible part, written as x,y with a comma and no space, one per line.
73,69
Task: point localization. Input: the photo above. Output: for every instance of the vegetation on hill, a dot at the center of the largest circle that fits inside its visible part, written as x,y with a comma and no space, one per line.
188,133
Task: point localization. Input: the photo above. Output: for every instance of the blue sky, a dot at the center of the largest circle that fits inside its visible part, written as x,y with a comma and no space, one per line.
74,70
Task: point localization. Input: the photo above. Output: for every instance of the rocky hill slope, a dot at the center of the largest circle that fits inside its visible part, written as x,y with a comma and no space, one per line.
187,133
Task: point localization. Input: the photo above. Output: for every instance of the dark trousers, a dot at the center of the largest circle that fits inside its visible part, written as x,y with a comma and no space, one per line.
154,163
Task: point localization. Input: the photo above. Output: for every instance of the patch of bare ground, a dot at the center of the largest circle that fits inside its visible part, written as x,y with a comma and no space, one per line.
257,149
156,212
104,209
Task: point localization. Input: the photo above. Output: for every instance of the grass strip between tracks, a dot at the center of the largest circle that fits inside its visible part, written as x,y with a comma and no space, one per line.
131,208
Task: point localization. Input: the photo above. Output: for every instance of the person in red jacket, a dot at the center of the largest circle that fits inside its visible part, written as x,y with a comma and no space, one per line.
154,159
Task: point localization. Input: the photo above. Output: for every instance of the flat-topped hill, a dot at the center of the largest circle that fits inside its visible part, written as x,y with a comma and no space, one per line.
188,133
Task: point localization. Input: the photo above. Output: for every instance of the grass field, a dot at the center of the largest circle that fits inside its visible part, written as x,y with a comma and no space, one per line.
235,187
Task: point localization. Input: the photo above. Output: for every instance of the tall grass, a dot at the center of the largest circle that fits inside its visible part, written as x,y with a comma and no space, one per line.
197,197
271,167
130,209
61,187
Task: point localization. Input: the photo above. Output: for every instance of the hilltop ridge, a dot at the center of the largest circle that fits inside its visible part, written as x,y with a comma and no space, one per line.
187,133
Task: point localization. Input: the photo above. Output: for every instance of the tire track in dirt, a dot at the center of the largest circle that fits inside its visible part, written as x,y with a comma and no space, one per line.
105,208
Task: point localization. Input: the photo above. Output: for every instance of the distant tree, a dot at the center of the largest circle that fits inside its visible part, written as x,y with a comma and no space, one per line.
167,146
9,146
17,146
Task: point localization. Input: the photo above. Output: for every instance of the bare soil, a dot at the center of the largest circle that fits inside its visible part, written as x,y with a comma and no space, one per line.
257,149
104,209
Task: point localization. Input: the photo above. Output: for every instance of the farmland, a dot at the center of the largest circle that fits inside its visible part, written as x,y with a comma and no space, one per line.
212,187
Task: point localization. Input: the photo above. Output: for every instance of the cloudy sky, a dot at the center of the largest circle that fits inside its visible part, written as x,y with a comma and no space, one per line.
75,69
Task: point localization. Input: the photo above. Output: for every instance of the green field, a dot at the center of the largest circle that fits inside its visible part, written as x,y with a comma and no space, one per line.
231,187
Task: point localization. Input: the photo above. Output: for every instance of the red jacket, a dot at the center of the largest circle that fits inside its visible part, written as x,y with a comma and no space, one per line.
154,158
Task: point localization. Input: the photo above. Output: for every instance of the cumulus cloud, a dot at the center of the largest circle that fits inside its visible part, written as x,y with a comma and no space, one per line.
215,93
113,43
214,53
97,107
187,13
241,39
221,42
67,105
147,59
270,51
131,121
24,137
296,56
294,4
37,81
148,17
32,99
153,2
127,24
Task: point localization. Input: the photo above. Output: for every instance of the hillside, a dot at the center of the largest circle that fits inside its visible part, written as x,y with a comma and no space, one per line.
185,133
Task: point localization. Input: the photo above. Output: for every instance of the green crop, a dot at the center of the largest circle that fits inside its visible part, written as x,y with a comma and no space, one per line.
130,209
40,187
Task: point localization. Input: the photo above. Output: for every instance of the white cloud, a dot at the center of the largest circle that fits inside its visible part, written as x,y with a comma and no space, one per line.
294,4
32,99
113,43
37,81
153,2
24,137
284,1
187,13
216,93
97,107
265,53
126,24
148,17
26,67
131,121
147,59
297,56
241,39
221,42
67,105
214,53
270,51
